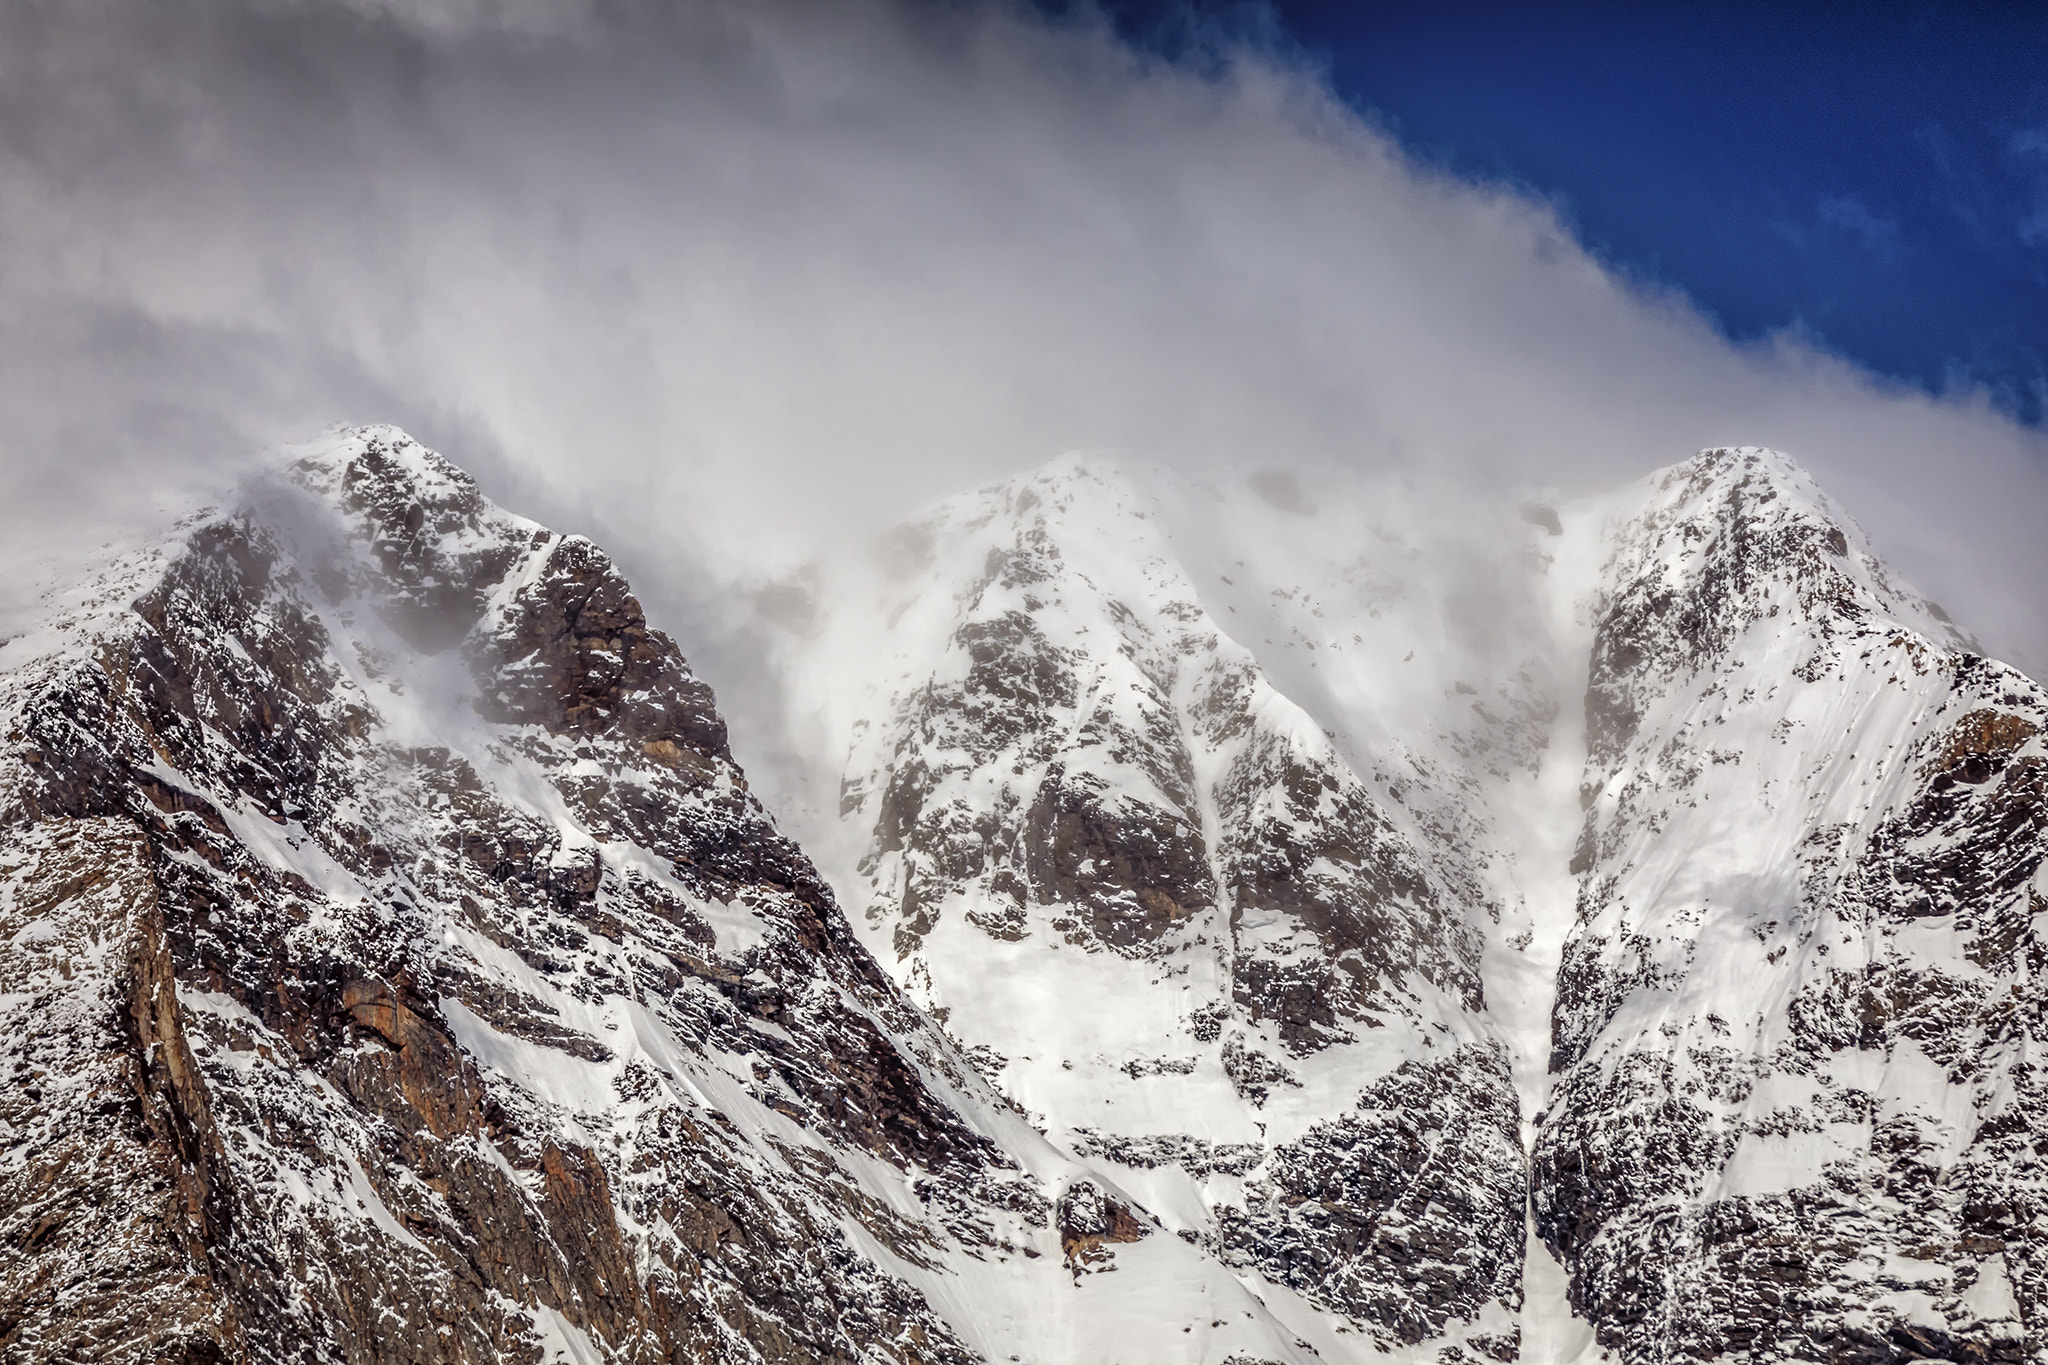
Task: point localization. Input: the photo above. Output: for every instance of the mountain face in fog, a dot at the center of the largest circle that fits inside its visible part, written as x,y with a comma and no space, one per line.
1257,944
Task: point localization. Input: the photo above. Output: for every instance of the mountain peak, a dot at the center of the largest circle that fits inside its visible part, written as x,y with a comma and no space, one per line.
1736,543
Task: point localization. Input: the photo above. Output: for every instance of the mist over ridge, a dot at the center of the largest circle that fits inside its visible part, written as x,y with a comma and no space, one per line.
726,282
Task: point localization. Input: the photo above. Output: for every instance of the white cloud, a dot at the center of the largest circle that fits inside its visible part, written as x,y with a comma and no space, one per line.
744,274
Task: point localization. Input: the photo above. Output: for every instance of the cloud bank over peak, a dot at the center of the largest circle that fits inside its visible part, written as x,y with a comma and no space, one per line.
724,279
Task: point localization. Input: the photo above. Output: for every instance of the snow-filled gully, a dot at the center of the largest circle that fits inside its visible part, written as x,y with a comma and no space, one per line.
1540,821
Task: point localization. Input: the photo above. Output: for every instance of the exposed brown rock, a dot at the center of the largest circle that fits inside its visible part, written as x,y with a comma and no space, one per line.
1090,1222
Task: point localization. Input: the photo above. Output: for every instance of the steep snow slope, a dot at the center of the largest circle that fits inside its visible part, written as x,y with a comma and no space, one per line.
1798,1111
399,969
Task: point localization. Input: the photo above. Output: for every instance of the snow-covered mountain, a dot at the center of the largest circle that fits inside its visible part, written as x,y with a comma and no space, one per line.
400,969
1797,1110
1280,926
1195,814
1172,923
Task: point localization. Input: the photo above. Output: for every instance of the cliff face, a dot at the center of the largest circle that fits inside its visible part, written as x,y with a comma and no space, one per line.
1797,1111
409,974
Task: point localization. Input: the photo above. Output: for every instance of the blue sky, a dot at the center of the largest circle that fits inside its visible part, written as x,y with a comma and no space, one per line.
1873,175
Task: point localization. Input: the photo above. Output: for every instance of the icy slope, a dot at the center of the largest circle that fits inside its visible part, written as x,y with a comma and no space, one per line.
1797,1113
399,969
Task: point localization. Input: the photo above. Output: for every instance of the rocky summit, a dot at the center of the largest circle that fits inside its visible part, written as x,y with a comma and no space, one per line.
1239,931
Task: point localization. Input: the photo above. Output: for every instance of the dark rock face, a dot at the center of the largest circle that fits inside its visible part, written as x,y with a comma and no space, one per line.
1307,845
100,1098
335,1042
1796,1117
1127,865
579,658
1133,871
1377,1212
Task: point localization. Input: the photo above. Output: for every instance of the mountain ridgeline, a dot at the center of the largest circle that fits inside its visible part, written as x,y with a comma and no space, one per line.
1220,944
